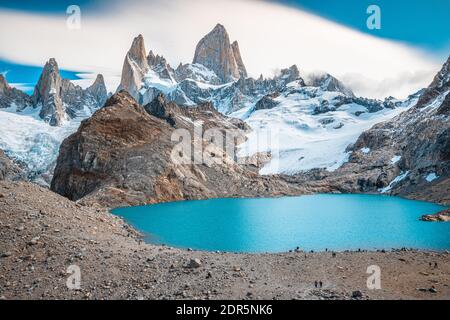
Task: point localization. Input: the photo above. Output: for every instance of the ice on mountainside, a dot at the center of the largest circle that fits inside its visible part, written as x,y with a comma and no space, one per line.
306,136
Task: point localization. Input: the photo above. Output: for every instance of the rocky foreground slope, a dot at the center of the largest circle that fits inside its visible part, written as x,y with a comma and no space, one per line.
44,235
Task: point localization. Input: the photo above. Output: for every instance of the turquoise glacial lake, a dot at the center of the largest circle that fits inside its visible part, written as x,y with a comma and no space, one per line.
311,222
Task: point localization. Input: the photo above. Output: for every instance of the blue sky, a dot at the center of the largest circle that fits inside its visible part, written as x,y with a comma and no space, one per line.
423,23
318,35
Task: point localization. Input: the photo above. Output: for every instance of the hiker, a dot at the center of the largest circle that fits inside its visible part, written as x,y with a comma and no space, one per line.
315,283
320,284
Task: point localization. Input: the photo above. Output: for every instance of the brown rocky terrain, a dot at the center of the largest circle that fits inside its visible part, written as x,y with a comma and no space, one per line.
442,216
42,234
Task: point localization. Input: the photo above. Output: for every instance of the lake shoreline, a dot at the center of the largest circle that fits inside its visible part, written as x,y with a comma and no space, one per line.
339,222
42,234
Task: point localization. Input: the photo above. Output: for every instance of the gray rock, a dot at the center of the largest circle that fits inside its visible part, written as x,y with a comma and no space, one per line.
194,263
47,94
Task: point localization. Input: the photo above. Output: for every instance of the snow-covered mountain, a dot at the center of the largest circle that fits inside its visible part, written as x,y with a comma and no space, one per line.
33,127
216,75
306,127
312,122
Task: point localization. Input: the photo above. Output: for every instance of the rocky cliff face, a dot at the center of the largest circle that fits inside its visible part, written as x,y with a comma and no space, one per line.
134,68
8,169
215,52
122,155
237,56
10,97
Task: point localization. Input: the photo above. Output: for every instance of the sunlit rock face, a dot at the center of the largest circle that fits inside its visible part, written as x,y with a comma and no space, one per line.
135,66
47,94
215,52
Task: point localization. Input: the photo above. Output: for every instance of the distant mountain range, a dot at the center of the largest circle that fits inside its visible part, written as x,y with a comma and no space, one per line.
319,122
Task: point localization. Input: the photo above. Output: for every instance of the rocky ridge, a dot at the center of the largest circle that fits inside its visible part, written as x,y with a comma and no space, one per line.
122,155
12,97
60,99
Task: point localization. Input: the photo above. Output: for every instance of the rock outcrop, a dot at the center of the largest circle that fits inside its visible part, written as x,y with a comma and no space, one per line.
442,216
8,169
134,68
267,102
124,155
215,52
10,96
329,83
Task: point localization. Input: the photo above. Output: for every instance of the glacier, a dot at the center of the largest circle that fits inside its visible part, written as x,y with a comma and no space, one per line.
303,140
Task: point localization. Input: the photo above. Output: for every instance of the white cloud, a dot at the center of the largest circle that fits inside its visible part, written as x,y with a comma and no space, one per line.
270,36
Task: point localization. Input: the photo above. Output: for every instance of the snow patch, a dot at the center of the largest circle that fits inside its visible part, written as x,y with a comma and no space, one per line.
431,177
394,182
365,150
395,159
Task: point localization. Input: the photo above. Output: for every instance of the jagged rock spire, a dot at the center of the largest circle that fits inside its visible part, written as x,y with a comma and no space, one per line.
47,94
215,52
98,90
237,56
134,68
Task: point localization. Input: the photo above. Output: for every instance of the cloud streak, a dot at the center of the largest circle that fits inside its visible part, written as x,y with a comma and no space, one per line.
271,36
